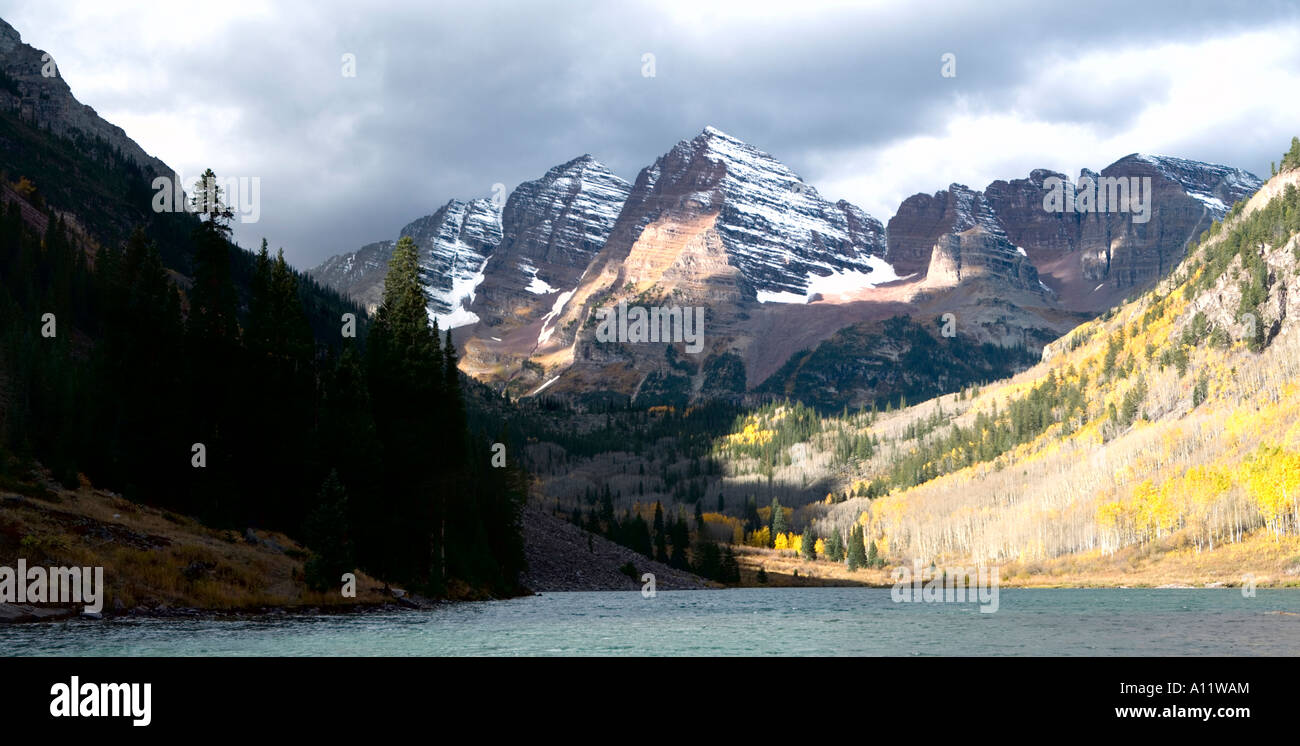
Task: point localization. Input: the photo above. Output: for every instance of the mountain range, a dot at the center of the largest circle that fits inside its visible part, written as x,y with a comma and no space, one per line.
797,287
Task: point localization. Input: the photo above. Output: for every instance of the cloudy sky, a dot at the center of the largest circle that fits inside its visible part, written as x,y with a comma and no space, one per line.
450,98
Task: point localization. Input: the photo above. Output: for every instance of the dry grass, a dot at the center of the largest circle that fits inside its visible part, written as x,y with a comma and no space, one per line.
1260,558
154,559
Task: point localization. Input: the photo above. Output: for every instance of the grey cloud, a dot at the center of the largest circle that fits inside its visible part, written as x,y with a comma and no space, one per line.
451,98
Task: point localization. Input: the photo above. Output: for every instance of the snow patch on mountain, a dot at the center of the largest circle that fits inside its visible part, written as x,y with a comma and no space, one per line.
1206,182
458,299
536,285
454,245
836,284
548,319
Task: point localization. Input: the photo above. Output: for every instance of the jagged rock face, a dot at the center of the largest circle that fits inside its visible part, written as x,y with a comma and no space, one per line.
1081,250
715,223
359,274
502,263
1019,206
923,218
717,218
1186,198
49,103
455,243
776,230
551,229
977,253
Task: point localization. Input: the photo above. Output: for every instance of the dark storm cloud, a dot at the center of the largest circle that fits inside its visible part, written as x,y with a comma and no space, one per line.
451,98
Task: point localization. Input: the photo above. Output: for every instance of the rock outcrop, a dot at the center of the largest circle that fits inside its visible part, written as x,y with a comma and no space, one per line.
977,253
32,87
551,229
1091,253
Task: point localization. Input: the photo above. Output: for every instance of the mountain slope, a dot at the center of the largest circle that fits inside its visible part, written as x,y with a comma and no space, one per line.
718,224
46,101
1167,427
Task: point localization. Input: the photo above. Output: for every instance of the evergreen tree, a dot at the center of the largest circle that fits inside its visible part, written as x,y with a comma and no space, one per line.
730,567
835,547
135,414
808,545
680,537
857,554
406,372
348,439
215,357
327,535
778,519
873,556
213,305
1292,157
707,559
752,521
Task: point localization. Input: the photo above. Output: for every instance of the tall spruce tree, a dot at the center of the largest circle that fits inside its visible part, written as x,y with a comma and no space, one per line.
406,372
215,354
778,519
730,567
835,547
857,553
681,536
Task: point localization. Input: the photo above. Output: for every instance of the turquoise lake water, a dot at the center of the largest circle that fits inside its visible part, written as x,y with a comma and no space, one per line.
749,621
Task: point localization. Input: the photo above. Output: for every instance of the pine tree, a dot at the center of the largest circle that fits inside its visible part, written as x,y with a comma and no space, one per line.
680,537
752,521
348,439
328,537
730,567
808,545
213,304
1292,157
707,560
835,547
873,556
259,336
136,411
857,554
778,519
406,370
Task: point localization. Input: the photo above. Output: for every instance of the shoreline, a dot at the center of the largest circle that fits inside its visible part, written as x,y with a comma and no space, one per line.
28,614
